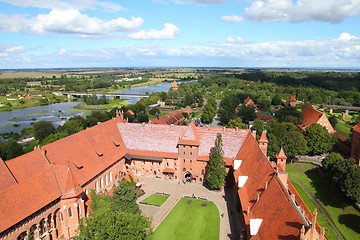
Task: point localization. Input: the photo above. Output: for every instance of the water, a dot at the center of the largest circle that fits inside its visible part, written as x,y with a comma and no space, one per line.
164,87
54,113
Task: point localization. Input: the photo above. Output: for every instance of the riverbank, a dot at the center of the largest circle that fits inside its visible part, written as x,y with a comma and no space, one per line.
112,104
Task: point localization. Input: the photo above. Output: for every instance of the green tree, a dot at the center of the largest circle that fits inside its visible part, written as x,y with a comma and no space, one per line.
42,129
319,140
10,149
258,126
208,114
284,112
216,167
124,198
295,144
71,126
54,137
236,123
333,120
247,113
276,100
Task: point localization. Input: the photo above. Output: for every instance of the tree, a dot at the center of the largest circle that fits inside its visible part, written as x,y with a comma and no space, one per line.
258,126
319,139
247,113
71,126
54,137
284,112
295,144
333,120
236,123
10,149
276,100
216,168
208,114
124,198
42,129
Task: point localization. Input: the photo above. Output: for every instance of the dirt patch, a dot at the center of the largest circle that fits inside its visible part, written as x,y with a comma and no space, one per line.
204,204
189,202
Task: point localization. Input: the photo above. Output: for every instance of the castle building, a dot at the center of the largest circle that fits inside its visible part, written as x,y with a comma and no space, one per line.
292,101
174,86
45,192
355,144
310,116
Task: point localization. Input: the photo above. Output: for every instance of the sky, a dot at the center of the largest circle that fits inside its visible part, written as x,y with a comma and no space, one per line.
180,33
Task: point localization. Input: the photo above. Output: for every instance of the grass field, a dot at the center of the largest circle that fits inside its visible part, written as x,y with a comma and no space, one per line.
156,199
341,210
190,221
343,129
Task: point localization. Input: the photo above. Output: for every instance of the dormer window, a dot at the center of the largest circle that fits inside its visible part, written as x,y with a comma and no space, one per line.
98,153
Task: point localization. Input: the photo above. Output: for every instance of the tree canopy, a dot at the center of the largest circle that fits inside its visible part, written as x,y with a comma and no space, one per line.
42,129
319,140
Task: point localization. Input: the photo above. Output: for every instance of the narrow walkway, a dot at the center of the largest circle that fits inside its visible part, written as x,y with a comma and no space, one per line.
321,209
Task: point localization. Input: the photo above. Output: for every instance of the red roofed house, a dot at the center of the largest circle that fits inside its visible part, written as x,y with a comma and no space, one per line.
250,102
44,192
310,116
292,101
174,118
355,144
174,86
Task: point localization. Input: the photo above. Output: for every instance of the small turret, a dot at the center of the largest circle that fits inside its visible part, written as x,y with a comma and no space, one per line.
281,160
263,143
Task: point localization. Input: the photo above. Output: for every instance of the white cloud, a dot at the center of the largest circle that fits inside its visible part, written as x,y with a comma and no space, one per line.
63,5
333,11
232,19
170,31
69,21
9,51
199,1
62,51
237,40
347,36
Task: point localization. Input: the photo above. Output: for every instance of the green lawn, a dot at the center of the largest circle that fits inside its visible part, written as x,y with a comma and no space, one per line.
341,210
156,199
190,221
343,129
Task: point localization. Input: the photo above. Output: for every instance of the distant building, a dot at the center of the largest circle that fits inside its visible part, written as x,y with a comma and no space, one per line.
292,101
174,118
355,144
250,102
188,110
174,86
310,116
264,118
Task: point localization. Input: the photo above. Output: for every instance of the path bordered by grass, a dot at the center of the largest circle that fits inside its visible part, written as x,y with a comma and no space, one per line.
156,199
190,221
341,210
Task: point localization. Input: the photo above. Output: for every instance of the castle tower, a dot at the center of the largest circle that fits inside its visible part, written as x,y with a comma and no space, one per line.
263,143
281,160
174,86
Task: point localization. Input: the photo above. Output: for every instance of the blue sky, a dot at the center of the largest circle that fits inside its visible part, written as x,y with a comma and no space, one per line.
179,33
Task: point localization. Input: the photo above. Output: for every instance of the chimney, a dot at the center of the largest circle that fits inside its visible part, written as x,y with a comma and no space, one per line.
224,129
266,185
302,233
143,124
253,133
283,176
171,126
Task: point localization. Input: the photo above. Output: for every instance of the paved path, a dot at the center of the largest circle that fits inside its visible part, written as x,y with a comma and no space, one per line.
312,159
322,210
230,225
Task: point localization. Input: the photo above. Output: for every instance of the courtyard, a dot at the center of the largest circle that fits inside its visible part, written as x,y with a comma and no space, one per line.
229,219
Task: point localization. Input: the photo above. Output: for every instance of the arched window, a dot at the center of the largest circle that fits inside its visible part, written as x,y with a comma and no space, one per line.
101,183
61,217
152,163
110,176
106,180
86,191
167,164
70,212
159,164
202,171
143,162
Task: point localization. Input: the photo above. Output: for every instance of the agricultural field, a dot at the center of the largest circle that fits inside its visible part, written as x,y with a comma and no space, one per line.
190,219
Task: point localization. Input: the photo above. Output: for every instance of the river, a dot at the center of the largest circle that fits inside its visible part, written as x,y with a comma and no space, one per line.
16,120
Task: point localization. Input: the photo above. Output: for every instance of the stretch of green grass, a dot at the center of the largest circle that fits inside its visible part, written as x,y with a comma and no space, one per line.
340,208
190,221
156,199
343,129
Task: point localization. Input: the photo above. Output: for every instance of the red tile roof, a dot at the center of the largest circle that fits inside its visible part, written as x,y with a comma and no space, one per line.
309,116
263,138
174,85
264,117
6,178
292,99
187,110
27,197
190,136
356,127
168,170
281,154
173,118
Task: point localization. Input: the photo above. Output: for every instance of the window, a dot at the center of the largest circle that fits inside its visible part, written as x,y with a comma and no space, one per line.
86,191
167,164
158,164
152,163
190,153
190,169
133,163
143,162
202,172
190,161
70,212
110,176
102,183
184,169
106,180
97,186
174,163
184,152
61,217
184,160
